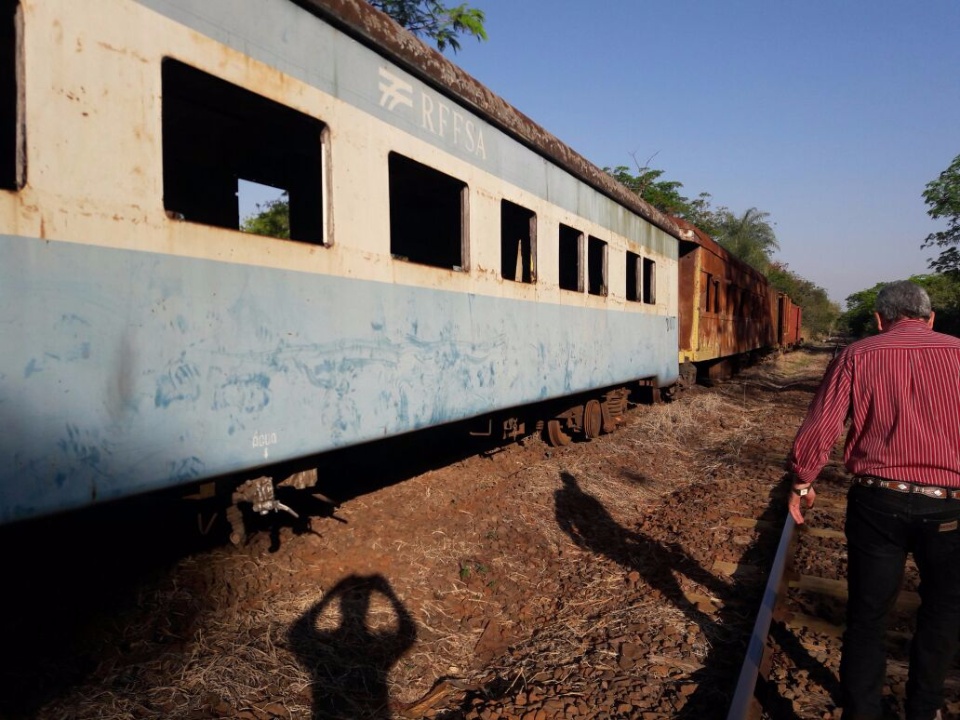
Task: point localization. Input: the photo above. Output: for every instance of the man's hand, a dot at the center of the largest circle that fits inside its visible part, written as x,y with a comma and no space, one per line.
796,501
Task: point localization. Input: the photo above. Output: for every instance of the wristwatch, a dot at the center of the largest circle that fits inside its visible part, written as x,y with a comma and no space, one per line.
801,491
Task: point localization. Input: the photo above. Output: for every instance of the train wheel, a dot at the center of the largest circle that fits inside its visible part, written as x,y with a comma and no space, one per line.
555,434
592,419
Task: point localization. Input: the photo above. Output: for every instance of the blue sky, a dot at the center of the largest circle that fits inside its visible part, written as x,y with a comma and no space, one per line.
831,116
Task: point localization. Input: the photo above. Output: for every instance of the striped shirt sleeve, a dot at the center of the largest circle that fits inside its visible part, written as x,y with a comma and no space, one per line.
824,421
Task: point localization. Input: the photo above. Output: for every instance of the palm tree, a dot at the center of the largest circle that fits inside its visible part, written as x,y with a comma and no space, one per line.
749,236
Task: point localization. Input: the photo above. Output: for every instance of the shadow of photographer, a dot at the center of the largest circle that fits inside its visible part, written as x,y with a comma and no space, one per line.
348,642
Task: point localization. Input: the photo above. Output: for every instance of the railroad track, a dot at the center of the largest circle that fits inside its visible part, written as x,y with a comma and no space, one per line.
792,659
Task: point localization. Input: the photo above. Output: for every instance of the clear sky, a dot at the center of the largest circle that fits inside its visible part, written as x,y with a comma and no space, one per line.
831,115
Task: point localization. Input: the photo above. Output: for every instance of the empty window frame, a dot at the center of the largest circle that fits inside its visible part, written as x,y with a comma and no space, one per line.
634,278
596,266
11,98
571,258
216,134
649,281
428,215
518,243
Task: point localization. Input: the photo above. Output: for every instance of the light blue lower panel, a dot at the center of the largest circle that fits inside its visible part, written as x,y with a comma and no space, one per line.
125,371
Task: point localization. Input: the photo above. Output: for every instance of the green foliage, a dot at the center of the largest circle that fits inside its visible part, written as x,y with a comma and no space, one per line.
748,236
434,20
944,292
273,219
943,198
857,319
665,196
819,312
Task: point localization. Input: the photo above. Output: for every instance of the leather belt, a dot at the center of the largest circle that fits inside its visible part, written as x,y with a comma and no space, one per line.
939,493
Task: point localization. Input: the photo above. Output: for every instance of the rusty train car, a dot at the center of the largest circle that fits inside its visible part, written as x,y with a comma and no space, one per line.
448,259
728,311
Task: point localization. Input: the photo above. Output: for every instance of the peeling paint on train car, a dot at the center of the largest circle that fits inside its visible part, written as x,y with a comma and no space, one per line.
151,350
728,308
133,371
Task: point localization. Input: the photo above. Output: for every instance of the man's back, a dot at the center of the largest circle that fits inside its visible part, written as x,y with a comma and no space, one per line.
905,418
901,389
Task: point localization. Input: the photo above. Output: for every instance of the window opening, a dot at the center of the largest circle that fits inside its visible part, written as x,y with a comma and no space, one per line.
634,279
716,296
735,300
518,232
427,214
649,281
216,134
708,294
596,266
571,252
264,210
11,102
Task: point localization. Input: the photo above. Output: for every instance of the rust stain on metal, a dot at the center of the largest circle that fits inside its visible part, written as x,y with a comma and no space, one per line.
381,32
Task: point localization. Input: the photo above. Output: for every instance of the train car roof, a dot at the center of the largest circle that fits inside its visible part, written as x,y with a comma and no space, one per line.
382,34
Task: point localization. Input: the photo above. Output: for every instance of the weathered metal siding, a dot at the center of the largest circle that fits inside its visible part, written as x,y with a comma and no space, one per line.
424,95
735,310
150,352
134,371
689,298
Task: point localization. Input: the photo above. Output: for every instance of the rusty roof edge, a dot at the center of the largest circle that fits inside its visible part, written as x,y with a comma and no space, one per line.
382,33
691,233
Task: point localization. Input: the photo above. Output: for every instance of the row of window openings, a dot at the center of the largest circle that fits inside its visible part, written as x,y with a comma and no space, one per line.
739,302
223,143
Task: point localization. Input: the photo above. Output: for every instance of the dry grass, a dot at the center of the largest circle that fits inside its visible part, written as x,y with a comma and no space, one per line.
238,656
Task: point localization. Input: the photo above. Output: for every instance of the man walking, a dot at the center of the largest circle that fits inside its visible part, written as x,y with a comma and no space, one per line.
901,391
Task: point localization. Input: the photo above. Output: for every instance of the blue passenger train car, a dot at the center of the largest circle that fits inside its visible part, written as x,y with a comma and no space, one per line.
447,258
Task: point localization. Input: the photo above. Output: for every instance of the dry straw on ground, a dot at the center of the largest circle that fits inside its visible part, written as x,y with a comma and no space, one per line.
215,635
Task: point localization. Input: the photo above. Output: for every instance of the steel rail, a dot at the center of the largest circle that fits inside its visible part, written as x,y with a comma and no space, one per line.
744,704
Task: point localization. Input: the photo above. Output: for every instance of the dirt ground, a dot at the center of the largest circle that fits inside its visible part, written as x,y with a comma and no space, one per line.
616,578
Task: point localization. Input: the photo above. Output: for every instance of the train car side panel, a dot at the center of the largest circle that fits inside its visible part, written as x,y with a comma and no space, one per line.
154,344
135,370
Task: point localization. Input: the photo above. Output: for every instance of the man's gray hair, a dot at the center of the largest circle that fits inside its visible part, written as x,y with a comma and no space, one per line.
902,299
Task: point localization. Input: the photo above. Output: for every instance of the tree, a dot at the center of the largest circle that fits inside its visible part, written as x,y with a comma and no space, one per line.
943,197
749,236
819,312
272,218
944,292
432,19
665,195
857,319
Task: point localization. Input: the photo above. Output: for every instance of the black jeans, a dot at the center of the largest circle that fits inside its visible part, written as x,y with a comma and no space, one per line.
882,527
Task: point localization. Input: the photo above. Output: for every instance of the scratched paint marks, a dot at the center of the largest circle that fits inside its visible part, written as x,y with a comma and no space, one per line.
181,382
85,449
240,396
69,343
186,469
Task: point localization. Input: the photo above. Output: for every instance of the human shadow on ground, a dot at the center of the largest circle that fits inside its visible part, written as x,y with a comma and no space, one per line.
591,527
348,642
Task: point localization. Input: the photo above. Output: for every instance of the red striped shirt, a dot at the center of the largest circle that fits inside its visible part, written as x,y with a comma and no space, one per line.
901,391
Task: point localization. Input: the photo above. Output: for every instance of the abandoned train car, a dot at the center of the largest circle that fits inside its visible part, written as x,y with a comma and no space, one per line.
728,310
447,257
